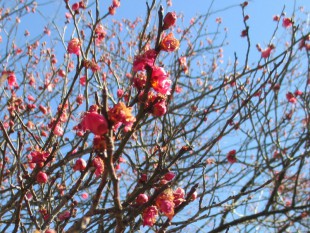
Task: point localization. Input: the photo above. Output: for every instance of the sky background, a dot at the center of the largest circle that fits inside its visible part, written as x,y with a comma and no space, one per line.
261,14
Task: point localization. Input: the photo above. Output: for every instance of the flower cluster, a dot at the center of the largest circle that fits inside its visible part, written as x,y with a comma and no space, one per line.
159,80
165,203
38,157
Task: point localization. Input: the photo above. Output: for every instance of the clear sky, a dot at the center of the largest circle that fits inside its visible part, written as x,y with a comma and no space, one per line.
261,14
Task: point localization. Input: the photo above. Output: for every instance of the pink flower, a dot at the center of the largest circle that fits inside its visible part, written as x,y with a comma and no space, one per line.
80,165
120,93
83,80
50,231
141,199
116,3
194,196
169,176
183,64
139,80
160,81
84,195
75,6
39,157
143,178
112,10
165,204
298,93
149,216
99,166
42,178
178,195
167,207
276,18
80,99
58,130
95,123
121,114
159,109
100,34
231,156
10,76
291,98
267,51
146,59
62,73
169,20
31,98
74,46
64,215
169,43
287,22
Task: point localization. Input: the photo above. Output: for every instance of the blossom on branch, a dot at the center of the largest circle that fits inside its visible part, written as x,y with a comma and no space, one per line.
160,81
74,46
231,156
121,114
146,59
165,204
95,123
169,20
149,216
42,178
99,166
169,43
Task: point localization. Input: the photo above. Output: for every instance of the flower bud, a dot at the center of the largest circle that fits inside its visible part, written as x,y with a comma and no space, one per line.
42,178
141,199
169,20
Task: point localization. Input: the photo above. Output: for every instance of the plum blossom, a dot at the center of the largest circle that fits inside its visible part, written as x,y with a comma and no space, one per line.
139,80
169,176
146,59
10,76
231,156
80,165
287,22
178,195
64,215
291,98
39,157
160,81
169,43
99,166
95,123
121,114
165,204
74,46
267,51
159,109
149,216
